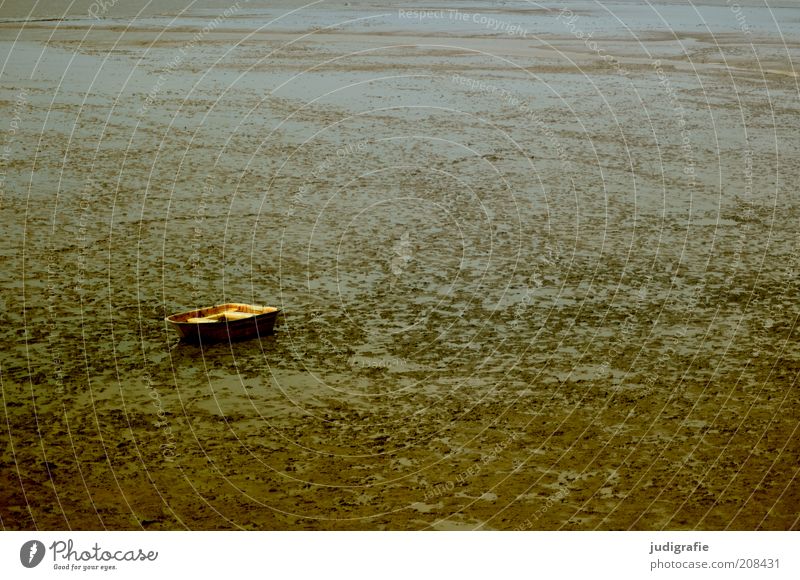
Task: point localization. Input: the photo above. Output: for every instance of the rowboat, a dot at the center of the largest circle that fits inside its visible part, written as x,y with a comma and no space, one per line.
224,322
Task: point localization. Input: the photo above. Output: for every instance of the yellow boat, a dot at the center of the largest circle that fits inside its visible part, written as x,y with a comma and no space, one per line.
224,322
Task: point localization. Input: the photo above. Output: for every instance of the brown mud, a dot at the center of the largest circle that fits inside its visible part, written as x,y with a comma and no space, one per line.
515,297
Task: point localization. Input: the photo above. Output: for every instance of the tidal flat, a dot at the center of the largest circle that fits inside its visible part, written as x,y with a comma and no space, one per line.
537,266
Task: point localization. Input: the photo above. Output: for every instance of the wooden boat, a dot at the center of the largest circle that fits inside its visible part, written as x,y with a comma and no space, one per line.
224,322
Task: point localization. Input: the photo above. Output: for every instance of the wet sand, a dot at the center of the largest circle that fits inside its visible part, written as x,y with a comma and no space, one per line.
527,282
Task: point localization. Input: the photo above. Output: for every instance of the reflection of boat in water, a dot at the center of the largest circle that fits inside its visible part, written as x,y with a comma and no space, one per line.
231,321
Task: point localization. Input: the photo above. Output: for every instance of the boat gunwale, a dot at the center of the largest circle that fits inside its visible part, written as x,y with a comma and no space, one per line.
181,317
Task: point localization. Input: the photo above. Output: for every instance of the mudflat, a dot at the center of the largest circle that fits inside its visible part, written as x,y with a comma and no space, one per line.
538,269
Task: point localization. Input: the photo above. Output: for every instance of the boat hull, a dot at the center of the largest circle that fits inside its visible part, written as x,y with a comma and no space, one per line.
261,323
